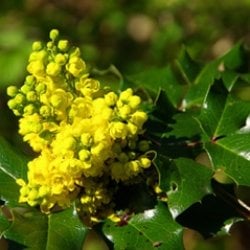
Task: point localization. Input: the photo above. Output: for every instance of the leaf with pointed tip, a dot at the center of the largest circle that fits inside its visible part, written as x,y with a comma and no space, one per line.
152,229
223,114
229,79
187,66
201,85
184,126
189,182
235,58
221,119
231,64
231,154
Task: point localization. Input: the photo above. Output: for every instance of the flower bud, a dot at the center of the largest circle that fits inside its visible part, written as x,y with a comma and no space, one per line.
12,91
63,45
36,46
54,34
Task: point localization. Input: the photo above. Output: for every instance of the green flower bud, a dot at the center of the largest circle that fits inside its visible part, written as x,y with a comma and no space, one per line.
19,98
12,91
29,80
131,155
123,157
143,146
63,45
31,96
50,45
26,88
29,109
36,46
12,104
54,34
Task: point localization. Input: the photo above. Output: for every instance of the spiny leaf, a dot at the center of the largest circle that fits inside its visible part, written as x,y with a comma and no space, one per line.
184,126
223,114
231,155
187,66
221,119
225,67
152,229
201,85
190,181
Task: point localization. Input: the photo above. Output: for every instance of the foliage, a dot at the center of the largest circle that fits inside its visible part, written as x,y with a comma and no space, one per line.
199,131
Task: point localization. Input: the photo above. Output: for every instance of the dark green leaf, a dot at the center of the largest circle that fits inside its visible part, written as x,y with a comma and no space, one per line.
65,231
231,154
188,67
160,79
185,126
208,216
12,166
160,117
222,115
190,181
153,229
234,58
229,79
201,85
232,61
57,231
162,164
29,228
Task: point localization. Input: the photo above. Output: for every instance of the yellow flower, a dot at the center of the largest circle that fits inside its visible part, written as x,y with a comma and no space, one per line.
87,86
36,68
76,66
87,136
53,69
30,124
118,130
139,118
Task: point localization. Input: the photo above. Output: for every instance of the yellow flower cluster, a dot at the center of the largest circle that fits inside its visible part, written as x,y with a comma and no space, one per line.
87,136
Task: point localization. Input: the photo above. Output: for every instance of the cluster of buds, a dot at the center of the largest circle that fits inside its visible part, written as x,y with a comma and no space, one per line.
86,135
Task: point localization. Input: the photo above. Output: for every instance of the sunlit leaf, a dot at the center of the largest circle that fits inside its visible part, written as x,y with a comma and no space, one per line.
189,183
152,229
231,155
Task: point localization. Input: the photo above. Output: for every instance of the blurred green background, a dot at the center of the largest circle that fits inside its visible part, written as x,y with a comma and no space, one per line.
132,35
